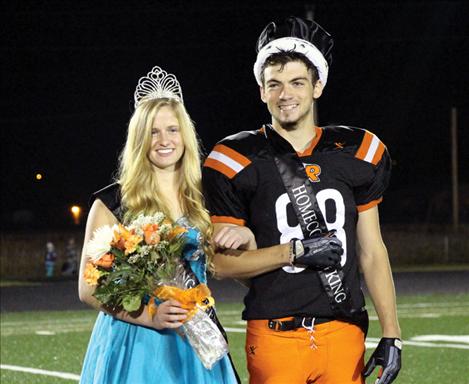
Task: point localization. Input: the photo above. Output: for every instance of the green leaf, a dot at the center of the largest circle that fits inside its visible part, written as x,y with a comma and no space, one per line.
131,303
119,254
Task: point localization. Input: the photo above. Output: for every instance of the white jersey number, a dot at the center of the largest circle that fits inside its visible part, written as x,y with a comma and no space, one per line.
288,232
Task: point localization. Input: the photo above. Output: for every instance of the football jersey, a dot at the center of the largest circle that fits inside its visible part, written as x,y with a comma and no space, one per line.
349,169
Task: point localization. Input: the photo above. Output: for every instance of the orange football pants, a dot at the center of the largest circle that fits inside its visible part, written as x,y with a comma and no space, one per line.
332,354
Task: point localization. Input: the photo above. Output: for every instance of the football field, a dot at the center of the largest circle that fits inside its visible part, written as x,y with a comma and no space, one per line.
48,346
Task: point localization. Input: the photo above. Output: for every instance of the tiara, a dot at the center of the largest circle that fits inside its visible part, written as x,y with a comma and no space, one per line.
157,84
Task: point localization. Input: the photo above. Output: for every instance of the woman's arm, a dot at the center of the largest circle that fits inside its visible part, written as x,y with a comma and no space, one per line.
231,236
246,261
169,313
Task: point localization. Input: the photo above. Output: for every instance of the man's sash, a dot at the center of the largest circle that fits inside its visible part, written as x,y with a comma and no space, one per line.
310,217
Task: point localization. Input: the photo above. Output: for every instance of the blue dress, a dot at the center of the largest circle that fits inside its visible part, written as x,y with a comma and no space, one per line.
123,353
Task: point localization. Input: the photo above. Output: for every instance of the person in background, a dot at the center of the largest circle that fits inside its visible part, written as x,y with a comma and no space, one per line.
50,259
69,267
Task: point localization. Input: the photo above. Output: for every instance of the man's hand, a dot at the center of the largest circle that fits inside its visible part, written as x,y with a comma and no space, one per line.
388,355
318,252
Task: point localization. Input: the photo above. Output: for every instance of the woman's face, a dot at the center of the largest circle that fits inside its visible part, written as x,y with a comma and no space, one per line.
167,146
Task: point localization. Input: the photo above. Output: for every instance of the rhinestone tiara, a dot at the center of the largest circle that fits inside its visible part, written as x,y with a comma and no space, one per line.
157,84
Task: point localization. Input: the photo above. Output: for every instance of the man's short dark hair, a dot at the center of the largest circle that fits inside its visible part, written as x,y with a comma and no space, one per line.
285,57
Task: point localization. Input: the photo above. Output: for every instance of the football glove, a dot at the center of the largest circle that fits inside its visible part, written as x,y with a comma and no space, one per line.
317,252
388,355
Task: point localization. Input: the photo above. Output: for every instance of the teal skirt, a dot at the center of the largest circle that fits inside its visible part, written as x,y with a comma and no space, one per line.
123,353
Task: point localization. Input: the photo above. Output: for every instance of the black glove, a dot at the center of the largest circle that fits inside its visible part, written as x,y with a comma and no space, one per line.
388,355
317,252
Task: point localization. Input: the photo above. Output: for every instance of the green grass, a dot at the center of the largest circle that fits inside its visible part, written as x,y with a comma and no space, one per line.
18,283
64,347
430,267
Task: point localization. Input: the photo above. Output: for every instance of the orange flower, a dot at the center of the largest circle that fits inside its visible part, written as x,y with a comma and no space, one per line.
91,274
177,230
151,235
105,261
126,240
119,238
131,243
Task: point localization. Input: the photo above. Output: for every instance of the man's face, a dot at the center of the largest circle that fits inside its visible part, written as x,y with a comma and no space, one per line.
289,94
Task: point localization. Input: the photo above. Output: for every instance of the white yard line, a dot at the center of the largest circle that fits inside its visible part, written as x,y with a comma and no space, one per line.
450,338
17,323
45,331
35,371
417,316
372,342
229,312
426,305
434,345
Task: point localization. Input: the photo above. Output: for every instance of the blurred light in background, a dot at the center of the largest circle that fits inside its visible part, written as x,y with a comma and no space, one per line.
76,213
38,176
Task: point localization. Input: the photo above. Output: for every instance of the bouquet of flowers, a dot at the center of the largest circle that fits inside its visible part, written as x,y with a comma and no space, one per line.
134,264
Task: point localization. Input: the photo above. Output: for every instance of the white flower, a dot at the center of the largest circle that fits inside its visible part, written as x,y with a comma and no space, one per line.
145,249
143,220
162,245
134,258
100,244
165,228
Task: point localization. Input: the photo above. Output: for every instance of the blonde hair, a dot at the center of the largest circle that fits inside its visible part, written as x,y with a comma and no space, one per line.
140,191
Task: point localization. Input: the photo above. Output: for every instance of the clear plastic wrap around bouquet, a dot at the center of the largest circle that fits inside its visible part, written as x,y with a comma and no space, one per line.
201,331
136,264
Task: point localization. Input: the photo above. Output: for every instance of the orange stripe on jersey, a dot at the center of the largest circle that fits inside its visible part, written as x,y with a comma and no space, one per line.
231,153
228,219
371,149
226,161
308,151
365,145
220,167
379,153
371,204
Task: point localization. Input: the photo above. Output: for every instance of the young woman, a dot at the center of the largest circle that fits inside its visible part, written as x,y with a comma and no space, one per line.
159,172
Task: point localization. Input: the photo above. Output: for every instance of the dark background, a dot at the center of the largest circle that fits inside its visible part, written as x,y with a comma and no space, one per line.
69,70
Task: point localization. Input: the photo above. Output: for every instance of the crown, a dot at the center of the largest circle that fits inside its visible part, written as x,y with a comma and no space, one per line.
157,84
297,35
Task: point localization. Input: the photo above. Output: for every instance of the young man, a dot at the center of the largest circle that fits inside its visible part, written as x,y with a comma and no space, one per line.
291,180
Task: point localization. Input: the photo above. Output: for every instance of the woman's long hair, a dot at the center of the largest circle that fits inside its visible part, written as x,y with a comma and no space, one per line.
140,191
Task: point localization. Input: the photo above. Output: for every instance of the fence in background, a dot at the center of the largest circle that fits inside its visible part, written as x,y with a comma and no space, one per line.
412,245
22,255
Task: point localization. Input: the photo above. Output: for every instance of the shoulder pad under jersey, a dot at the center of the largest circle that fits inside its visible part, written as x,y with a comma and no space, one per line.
236,152
358,142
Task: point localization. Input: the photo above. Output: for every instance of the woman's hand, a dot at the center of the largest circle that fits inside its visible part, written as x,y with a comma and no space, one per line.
228,236
169,315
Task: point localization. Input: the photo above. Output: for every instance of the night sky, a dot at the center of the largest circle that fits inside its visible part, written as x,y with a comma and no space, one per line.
69,70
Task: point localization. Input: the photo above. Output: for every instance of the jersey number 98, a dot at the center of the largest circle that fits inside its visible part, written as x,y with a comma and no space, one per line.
288,232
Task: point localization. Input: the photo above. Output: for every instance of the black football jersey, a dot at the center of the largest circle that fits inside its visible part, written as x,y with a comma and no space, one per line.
349,169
